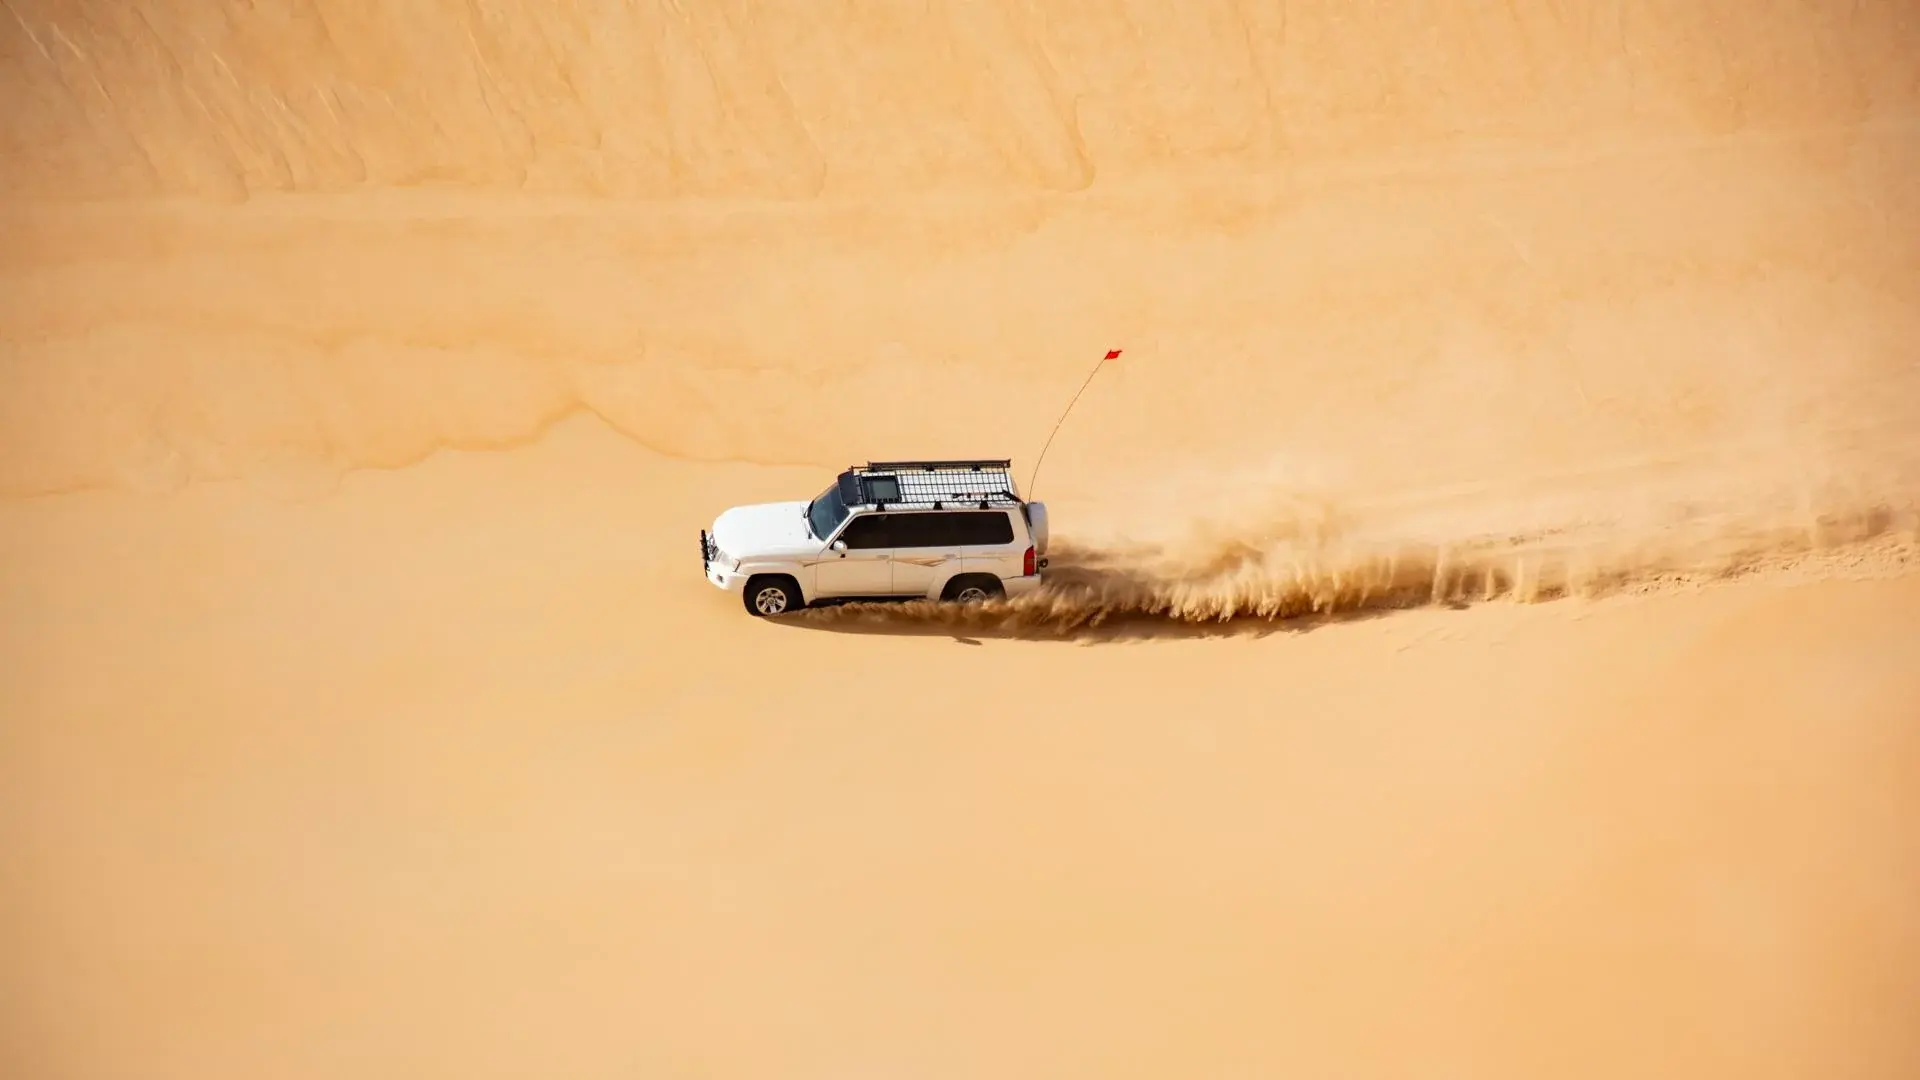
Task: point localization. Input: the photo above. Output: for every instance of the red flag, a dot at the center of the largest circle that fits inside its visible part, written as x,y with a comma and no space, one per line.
1111,353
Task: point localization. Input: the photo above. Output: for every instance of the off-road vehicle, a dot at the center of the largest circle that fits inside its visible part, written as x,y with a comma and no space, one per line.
887,530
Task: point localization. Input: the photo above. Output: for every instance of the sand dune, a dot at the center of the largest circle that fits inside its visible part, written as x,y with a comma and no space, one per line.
785,99
1483,633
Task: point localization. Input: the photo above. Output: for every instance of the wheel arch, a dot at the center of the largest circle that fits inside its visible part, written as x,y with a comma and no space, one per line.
793,572
954,582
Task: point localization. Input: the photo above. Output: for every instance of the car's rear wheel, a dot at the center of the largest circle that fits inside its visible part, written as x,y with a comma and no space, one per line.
767,596
974,589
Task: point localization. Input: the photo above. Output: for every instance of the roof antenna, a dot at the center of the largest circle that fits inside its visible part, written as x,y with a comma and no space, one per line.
1034,480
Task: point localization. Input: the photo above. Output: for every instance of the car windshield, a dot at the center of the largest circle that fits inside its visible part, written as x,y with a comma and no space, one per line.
825,513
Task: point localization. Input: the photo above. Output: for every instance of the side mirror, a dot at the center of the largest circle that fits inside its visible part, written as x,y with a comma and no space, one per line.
840,546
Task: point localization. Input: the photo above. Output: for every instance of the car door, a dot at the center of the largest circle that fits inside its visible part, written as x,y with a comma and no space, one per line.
926,551
988,546
865,568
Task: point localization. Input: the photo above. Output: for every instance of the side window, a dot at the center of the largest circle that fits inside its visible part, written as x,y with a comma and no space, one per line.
868,531
984,527
926,530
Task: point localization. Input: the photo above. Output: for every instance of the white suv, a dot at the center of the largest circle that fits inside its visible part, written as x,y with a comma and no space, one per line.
887,530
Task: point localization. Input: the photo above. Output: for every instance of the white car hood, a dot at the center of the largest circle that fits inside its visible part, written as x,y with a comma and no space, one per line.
764,529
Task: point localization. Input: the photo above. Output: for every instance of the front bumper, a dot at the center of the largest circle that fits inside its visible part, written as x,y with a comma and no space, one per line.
715,569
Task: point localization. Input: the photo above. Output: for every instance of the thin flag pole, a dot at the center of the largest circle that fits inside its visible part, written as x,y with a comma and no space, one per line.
1034,481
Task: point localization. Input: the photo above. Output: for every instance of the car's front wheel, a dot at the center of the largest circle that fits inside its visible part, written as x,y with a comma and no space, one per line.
765,596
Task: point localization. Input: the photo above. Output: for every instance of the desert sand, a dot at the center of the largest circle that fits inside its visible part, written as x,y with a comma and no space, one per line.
1485,635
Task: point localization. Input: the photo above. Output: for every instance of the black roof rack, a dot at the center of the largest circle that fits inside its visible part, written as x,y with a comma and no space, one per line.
942,485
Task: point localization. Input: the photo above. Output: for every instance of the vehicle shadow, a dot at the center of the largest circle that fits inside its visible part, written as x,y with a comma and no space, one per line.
1094,597
1090,601
1000,622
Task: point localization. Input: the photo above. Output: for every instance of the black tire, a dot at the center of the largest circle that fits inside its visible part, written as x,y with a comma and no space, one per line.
769,595
974,589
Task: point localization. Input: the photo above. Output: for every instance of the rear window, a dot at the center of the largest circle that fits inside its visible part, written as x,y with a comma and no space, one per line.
985,527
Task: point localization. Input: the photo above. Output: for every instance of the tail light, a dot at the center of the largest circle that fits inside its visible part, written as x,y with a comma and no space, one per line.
1026,562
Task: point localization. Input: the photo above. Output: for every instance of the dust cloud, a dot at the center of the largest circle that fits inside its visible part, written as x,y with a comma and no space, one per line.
366,372
1309,558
